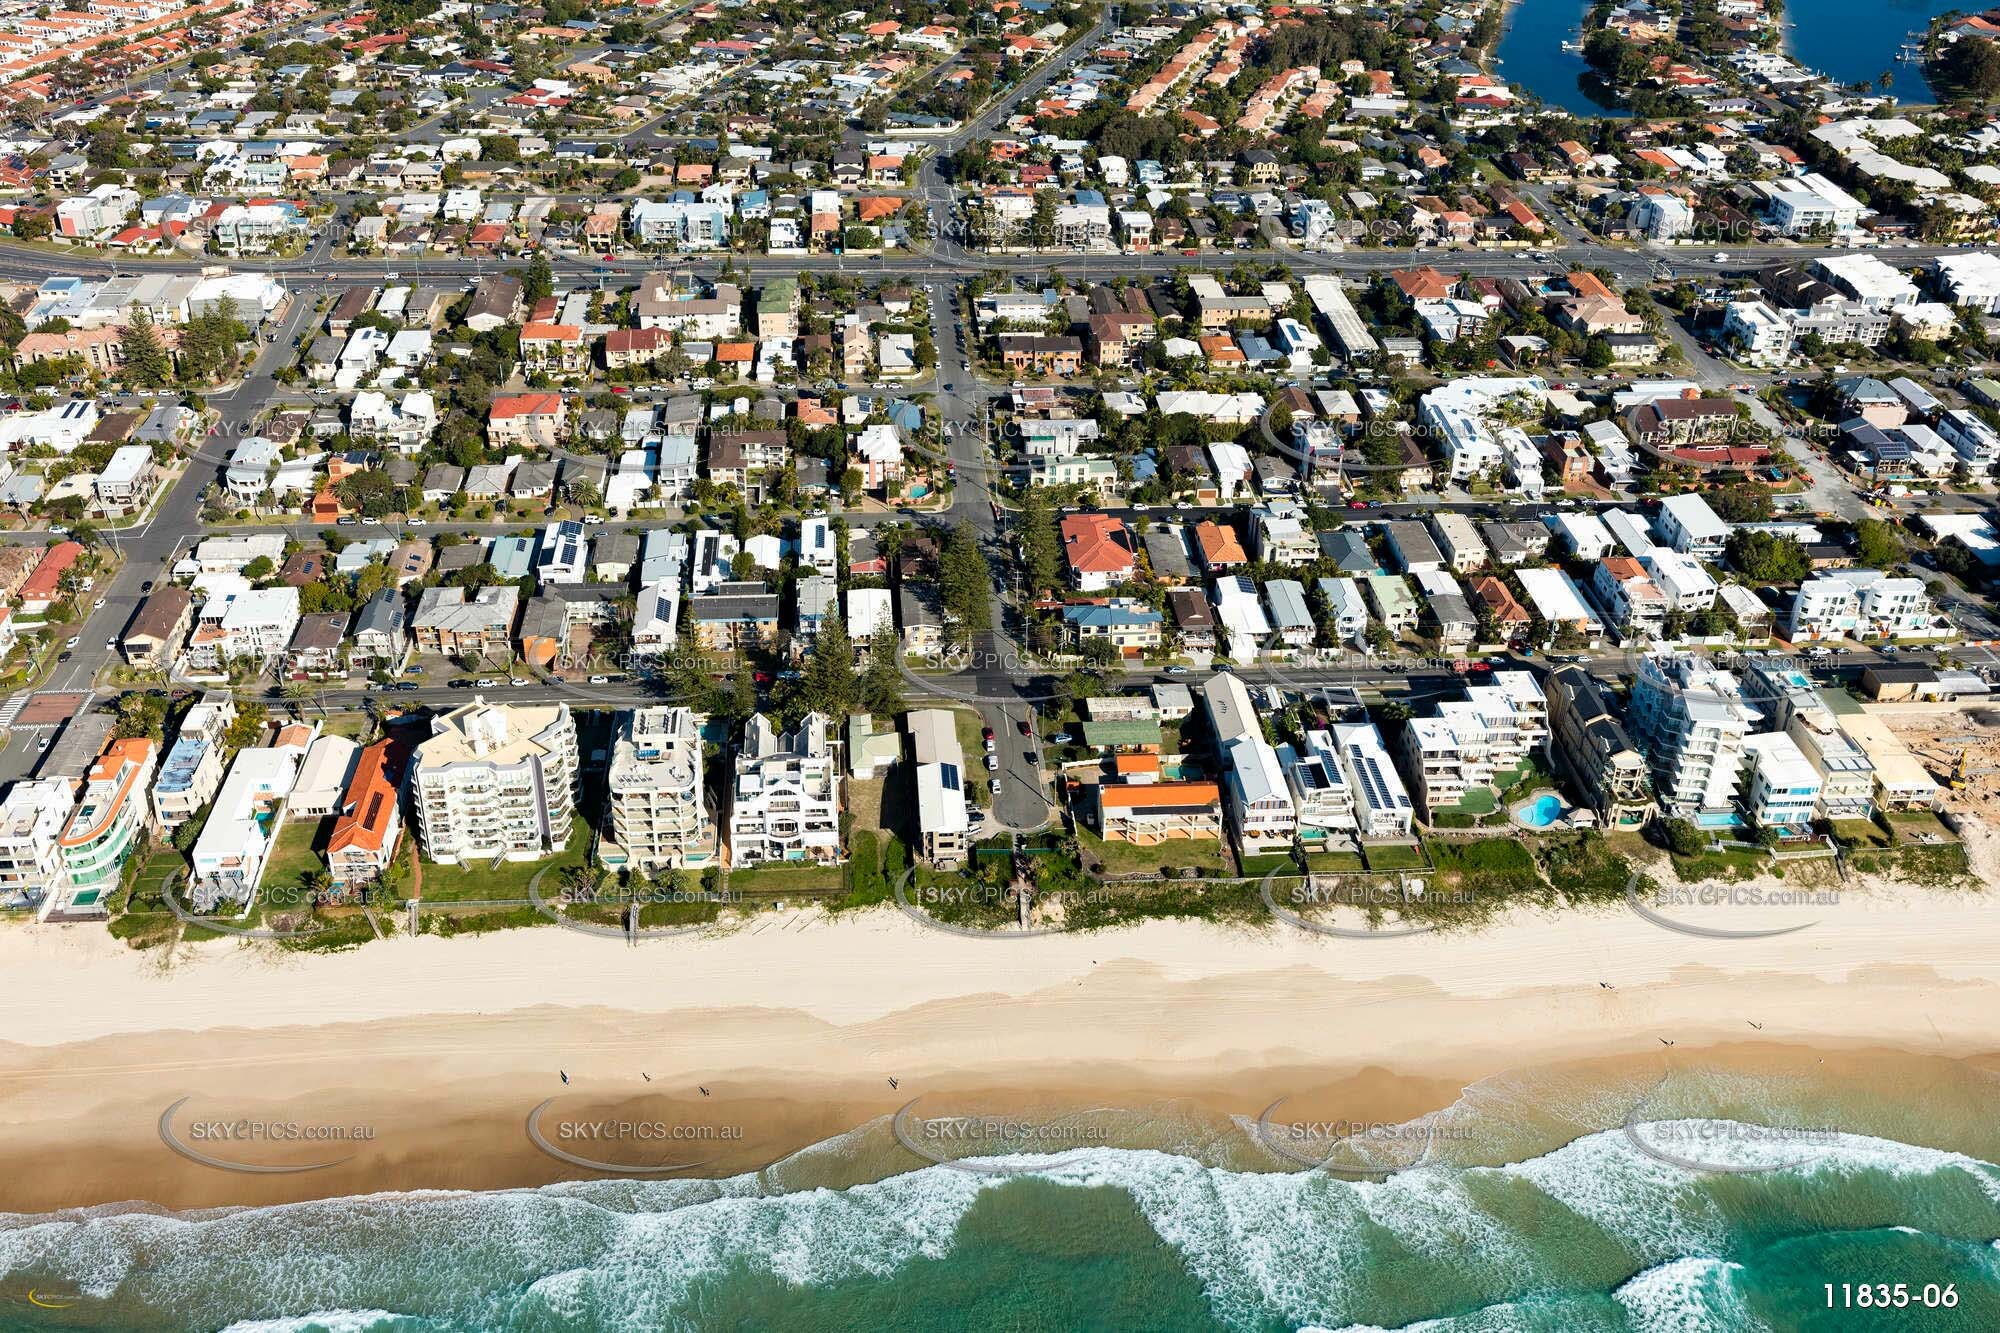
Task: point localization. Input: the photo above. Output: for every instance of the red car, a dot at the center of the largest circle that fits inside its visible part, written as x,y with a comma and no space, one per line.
986,733
1357,504
1027,729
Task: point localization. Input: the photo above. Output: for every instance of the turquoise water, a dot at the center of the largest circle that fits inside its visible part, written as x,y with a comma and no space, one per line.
1849,40
1542,811
1590,1236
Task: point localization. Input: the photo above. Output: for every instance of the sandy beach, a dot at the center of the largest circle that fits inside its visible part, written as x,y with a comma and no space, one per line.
440,1048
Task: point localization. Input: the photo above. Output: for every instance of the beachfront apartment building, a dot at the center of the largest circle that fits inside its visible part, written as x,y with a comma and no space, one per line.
110,820
1789,701
494,780
1382,807
785,801
1478,742
369,824
943,822
1690,720
658,809
189,778
1320,788
1781,788
234,848
1258,800
1590,747
32,818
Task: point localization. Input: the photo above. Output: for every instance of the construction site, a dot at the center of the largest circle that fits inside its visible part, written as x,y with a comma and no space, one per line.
1961,749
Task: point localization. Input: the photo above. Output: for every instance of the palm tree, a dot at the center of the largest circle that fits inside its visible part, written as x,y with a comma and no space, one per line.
313,885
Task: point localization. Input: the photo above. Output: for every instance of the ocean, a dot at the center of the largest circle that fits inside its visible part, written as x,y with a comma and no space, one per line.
1657,1220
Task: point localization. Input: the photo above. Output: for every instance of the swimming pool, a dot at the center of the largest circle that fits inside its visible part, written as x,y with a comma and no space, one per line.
1541,812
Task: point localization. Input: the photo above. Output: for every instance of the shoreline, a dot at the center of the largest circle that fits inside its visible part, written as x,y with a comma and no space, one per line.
443,1047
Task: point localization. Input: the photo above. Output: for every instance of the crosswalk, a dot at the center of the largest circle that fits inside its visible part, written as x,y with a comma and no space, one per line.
11,706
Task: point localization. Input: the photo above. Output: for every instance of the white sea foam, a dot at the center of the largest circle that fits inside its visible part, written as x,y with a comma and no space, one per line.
1288,1246
1688,1296
331,1321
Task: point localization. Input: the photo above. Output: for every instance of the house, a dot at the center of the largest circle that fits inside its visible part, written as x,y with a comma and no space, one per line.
158,628
784,802
1099,550
479,626
369,822
530,420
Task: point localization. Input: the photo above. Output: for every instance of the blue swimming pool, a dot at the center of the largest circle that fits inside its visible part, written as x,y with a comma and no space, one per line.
1541,812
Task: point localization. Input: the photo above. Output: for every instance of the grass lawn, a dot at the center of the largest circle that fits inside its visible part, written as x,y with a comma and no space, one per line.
509,879
1729,863
355,726
1333,863
293,853
1478,801
1124,858
804,878
1260,866
973,743
1920,826
1859,833
1395,856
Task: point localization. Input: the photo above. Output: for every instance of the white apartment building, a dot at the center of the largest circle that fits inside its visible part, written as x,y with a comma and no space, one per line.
1681,580
1863,604
32,818
495,781
1467,742
1969,279
251,623
1761,336
785,802
235,844
1320,788
1688,525
1458,540
659,815
1781,789
1382,807
1790,703
1254,791
1690,720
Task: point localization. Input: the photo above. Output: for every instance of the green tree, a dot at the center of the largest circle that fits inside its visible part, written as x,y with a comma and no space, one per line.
1877,545
146,362
966,585
539,280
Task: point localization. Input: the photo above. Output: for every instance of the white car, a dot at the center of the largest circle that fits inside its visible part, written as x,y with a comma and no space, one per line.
72,641
521,682
419,522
